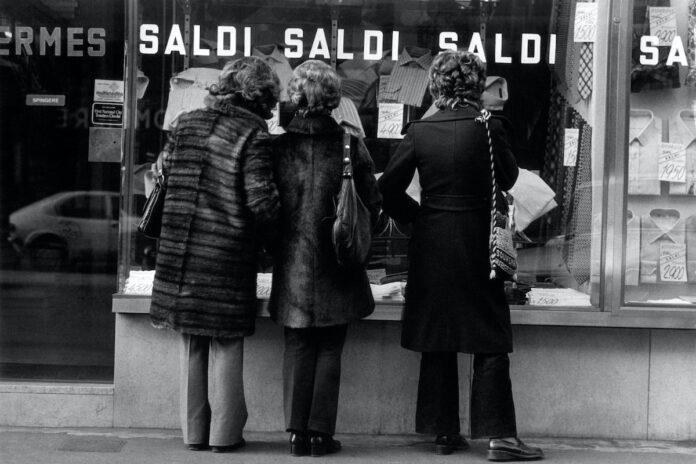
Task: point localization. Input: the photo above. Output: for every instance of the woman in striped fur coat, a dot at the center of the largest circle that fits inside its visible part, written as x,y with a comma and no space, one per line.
220,202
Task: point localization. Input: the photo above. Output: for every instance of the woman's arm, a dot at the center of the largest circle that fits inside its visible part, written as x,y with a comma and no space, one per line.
396,178
506,170
365,182
261,192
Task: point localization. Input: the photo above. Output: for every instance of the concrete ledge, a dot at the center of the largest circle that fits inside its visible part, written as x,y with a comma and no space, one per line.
56,388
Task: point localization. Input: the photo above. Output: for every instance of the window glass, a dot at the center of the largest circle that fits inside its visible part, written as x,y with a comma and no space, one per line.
61,75
544,77
660,215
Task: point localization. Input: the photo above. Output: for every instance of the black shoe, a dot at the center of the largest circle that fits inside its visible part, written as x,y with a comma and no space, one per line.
447,444
323,444
512,449
299,444
197,446
229,448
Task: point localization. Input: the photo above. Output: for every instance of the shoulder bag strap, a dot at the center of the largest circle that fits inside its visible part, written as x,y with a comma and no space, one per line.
347,165
483,119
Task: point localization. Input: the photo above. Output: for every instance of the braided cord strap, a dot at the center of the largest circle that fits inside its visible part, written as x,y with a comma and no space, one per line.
502,255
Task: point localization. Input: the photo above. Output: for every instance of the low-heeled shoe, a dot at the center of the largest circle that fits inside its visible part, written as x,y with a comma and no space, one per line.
197,446
500,449
229,448
447,444
323,444
299,444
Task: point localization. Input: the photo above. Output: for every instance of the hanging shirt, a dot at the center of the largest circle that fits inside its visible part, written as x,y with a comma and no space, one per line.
690,225
347,116
632,248
278,63
659,226
682,130
409,78
359,81
187,90
644,138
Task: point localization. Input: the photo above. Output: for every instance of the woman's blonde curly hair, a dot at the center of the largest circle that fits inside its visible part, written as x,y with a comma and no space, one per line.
457,78
250,82
315,88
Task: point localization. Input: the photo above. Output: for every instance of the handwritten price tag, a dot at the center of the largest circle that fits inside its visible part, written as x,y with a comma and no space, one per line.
390,121
570,147
585,22
274,126
672,262
672,163
663,23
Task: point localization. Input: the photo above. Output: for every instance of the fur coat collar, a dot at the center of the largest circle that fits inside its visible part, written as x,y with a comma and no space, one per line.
232,109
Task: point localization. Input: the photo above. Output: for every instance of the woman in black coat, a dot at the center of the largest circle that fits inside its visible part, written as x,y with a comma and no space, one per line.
451,304
312,296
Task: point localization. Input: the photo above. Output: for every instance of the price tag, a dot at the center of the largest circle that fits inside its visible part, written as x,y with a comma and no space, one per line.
390,121
672,262
672,163
585,22
274,126
663,23
570,147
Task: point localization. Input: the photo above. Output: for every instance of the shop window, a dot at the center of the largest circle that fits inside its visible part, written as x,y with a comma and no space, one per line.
547,65
58,244
660,215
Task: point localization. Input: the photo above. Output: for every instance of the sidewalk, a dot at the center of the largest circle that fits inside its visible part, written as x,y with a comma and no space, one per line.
135,446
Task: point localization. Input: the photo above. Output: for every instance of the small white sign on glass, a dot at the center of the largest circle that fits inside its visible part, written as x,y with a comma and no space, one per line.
672,262
672,162
585,22
570,147
390,121
663,23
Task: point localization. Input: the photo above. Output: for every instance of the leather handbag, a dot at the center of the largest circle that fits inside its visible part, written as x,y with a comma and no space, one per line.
351,231
503,255
151,222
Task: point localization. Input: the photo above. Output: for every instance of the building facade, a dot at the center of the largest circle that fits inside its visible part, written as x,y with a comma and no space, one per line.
601,98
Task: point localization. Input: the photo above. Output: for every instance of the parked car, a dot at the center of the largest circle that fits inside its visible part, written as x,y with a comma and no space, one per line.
67,228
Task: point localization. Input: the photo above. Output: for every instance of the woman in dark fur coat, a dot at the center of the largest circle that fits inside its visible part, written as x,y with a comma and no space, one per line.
451,303
220,200
312,296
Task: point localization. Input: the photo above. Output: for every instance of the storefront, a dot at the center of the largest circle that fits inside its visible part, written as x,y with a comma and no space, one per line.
600,95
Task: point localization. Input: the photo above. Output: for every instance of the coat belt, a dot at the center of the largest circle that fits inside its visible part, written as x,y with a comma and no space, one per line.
456,202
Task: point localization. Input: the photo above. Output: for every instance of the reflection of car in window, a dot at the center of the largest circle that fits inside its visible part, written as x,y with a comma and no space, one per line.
67,228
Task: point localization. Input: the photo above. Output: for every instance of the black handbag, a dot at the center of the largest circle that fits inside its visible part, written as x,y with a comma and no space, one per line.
503,255
151,222
351,231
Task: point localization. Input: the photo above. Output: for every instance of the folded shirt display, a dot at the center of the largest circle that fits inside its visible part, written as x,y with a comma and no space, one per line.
682,130
660,226
644,139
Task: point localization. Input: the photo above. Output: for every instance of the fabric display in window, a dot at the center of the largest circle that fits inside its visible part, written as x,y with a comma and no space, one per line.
682,130
408,80
644,139
580,215
691,45
359,81
561,26
690,225
632,248
279,63
572,70
347,116
585,71
657,227
553,172
187,90
384,95
650,77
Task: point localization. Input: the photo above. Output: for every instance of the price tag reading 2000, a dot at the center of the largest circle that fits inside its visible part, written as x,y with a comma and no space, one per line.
672,262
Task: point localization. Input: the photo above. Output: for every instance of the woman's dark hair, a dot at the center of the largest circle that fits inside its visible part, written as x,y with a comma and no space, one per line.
315,88
457,78
249,82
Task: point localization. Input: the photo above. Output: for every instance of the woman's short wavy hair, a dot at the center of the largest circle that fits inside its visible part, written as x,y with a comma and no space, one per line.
249,82
457,78
315,88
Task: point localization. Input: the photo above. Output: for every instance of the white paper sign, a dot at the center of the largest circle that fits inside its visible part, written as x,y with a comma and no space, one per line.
672,163
570,147
585,22
108,91
672,262
663,23
274,126
390,121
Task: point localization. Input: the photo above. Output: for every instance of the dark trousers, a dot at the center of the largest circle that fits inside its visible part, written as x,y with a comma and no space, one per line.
492,407
312,377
